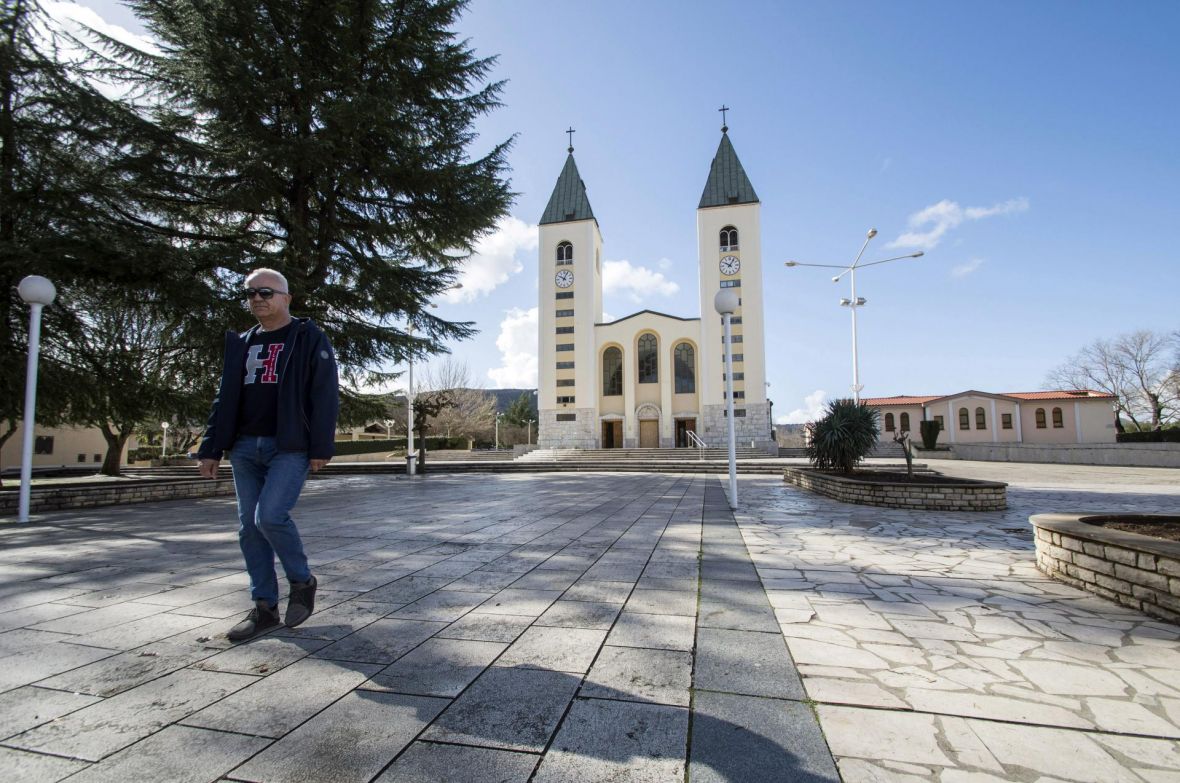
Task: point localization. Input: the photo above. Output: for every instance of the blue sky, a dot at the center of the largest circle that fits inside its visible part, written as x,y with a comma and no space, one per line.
1038,141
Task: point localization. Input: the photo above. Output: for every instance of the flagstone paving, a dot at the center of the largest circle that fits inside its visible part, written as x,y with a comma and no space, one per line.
559,627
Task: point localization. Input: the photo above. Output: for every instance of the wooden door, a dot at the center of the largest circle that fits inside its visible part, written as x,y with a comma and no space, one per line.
649,434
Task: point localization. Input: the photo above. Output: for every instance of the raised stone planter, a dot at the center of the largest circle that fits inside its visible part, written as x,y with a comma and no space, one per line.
64,496
1135,570
953,495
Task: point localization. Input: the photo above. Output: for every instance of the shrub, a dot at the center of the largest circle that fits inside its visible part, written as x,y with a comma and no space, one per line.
929,430
397,444
1171,435
844,436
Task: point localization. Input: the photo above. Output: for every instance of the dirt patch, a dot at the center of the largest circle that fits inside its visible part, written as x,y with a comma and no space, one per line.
1167,528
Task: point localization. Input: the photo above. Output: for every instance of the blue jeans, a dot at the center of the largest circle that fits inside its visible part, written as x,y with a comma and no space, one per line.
268,483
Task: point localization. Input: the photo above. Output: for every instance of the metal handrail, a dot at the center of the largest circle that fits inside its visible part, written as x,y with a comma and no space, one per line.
700,444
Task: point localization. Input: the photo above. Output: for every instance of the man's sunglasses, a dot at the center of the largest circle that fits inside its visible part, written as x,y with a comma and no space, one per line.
265,293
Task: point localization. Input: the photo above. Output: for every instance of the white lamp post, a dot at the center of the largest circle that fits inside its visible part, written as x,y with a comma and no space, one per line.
854,302
498,417
726,302
37,291
529,437
164,449
410,411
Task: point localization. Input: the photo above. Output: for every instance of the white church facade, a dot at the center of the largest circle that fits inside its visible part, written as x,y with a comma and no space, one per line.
650,379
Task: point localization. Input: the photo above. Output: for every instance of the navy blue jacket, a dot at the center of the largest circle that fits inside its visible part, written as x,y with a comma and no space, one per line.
309,394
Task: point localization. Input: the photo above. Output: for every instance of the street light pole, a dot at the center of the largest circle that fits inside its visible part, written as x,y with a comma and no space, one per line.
37,291
725,302
410,410
855,302
529,436
164,447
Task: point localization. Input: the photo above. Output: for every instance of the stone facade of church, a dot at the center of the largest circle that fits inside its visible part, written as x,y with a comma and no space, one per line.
650,379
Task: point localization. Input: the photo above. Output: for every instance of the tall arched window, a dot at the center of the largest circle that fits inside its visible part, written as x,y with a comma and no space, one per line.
729,239
980,419
565,253
1040,418
612,372
964,419
649,359
889,422
685,361
1058,419
905,422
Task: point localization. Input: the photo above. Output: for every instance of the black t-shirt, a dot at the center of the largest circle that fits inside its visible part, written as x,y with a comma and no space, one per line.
258,409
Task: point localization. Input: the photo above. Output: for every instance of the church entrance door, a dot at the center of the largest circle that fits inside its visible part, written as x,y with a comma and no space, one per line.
612,434
649,433
682,428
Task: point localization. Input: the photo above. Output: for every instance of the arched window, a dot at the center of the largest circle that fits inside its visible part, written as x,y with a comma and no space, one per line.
1040,418
729,239
980,419
889,422
1058,419
964,419
612,372
685,361
905,422
565,253
649,360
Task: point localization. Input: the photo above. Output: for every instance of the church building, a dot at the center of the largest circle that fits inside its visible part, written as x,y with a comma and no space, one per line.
650,379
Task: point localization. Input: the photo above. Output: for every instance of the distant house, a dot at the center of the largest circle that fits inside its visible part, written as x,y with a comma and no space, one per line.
1081,416
55,447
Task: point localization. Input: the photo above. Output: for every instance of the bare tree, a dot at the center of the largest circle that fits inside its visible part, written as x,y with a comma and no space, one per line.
471,412
1139,368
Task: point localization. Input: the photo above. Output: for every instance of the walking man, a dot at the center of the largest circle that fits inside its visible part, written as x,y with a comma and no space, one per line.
275,415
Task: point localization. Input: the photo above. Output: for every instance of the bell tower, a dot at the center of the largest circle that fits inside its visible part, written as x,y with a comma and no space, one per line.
570,303
729,242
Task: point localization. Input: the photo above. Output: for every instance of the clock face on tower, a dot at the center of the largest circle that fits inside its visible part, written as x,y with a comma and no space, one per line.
564,278
730,265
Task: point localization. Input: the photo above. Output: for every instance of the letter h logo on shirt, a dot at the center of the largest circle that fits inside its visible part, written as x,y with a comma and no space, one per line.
269,365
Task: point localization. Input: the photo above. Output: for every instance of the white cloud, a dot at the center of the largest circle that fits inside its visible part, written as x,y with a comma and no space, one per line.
635,282
75,19
517,344
664,264
494,260
927,227
813,408
607,317
962,270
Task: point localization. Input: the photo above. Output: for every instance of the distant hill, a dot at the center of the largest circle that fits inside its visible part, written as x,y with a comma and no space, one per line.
505,397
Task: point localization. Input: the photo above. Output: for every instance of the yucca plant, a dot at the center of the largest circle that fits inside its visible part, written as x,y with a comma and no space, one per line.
844,436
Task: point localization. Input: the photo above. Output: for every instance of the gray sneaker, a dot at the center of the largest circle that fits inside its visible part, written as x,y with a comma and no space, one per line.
262,617
301,602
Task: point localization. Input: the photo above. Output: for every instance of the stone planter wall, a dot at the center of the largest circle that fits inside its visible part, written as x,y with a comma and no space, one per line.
1134,570
962,495
114,493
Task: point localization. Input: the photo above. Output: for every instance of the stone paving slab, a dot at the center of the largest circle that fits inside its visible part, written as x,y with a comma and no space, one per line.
575,630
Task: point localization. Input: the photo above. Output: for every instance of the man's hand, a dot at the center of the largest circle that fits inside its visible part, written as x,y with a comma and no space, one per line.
316,464
208,468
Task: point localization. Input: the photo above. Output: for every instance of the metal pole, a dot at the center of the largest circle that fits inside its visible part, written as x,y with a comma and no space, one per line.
497,432
410,414
855,362
26,465
733,497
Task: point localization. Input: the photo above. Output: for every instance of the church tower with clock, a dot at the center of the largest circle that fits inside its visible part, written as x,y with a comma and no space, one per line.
651,379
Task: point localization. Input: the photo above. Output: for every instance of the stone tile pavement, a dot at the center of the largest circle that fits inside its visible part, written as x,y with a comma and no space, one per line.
562,627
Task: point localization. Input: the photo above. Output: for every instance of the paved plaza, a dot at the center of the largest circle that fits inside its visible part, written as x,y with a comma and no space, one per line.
587,627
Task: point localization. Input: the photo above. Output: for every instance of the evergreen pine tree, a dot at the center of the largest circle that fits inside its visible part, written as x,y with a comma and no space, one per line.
339,135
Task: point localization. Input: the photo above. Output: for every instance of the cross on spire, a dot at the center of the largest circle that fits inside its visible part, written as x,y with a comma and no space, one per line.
571,132
724,124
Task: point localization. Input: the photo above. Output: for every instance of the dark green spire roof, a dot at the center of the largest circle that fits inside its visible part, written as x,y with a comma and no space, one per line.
727,183
568,202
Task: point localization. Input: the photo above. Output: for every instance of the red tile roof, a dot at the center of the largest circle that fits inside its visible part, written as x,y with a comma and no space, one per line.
1079,394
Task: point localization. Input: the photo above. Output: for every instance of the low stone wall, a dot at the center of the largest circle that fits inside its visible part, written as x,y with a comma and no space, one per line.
1134,570
1133,455
113,493
961,495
